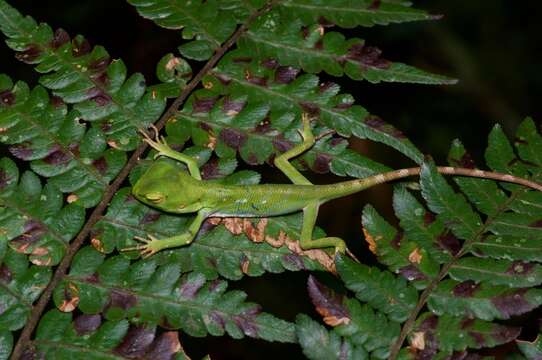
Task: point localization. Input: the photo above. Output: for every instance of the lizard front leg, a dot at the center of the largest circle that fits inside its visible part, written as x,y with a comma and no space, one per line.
152,245
159,144
283,160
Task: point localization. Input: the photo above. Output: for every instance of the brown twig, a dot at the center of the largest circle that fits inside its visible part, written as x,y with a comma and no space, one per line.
38,309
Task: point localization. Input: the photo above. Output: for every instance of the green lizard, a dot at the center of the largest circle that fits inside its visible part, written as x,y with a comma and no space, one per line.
167,188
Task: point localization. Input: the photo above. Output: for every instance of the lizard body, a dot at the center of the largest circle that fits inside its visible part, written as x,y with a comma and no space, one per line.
168,188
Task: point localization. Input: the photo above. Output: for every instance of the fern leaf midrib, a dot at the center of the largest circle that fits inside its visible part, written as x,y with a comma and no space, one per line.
504,246
201,308
356,11
97,176
530,203
81,349
519,226
302,51
483,271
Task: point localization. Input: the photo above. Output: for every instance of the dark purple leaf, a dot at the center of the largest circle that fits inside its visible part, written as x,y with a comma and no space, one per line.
61,37
165,347
84,324
203,105
136,342
513,303
520,268
189,288
100,165
150,217
7,97
328,303
33,231
122,300
233,137
377,123
80,47
465,289
30,54
286,74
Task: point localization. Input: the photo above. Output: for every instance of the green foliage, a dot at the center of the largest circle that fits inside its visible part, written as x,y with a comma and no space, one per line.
34,218
62,336
358,329
152,293
381,289
283,36
469,254
20,285
449,333
59,145
84,76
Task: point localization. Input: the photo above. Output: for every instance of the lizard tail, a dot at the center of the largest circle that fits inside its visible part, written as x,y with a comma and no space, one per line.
353,186
403,173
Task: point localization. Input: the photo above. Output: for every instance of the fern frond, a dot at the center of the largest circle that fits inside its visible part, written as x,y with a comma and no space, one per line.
63,336
349,14
159,294
286,39
33,217
254,81
448,333
396,251
483,301
20,285
358,330
485,238
382,290
84,76
198,20
38,128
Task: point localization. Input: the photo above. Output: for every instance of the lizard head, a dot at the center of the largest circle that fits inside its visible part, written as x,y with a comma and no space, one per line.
166,187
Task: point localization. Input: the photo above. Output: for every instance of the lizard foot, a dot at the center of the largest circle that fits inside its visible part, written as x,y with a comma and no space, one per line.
149,247
159,143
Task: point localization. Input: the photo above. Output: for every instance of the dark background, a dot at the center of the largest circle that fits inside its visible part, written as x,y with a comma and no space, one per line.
490,46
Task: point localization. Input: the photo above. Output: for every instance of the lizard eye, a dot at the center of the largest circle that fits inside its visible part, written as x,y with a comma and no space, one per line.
155,197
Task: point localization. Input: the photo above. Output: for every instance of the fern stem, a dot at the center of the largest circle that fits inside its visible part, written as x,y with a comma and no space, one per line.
62,268
407,327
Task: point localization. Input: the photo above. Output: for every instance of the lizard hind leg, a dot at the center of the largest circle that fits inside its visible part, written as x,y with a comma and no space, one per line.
310,213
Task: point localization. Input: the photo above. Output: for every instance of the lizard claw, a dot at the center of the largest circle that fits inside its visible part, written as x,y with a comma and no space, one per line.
349,253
